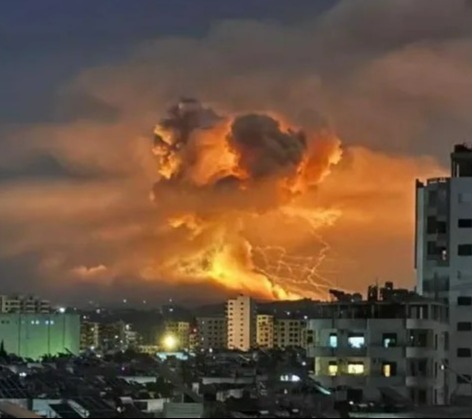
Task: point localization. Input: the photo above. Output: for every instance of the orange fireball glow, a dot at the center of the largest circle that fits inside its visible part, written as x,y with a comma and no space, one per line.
219,175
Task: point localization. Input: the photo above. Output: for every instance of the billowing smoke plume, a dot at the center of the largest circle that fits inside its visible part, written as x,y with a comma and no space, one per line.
218,172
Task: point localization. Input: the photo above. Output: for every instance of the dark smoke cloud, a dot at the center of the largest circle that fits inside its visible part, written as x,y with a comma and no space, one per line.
264,149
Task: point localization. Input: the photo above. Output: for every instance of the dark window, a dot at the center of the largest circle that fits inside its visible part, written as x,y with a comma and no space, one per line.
464,250
464,326
464,222
441,227
422,396
432,249
464,301
464,379
431,225
433,198
389,340
463,353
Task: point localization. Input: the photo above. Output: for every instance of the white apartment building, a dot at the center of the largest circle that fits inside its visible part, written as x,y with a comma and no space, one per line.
393,348
242,323
24,304
443,258
212,332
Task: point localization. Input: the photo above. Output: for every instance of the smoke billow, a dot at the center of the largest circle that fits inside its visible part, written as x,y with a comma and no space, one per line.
216,173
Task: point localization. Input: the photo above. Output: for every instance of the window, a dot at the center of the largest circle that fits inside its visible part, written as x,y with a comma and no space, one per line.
389,340
333,340
431,225
333,368
389,369
464,223
433,198
356,341
464,326
464,301
355,368
464,250
432,249
463,353
464,379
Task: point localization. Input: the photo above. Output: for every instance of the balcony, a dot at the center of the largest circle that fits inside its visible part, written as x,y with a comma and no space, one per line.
419,381
339,352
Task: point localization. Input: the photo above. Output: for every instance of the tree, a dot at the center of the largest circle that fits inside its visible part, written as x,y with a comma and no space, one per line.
3,352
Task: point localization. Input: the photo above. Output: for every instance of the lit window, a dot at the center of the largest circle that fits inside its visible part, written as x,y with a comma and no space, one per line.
355,368
356,341
333,340
333,369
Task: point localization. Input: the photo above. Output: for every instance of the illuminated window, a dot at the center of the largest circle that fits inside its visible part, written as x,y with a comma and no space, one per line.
389,369
333,340
356,341
333,368
356,368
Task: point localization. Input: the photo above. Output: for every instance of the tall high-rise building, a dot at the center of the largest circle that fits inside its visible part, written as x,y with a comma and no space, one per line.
242,323
180,332
289,333
443,256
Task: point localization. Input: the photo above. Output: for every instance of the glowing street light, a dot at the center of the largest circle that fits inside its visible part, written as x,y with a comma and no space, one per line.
170,343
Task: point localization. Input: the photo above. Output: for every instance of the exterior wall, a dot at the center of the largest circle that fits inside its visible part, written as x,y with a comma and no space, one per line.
371,354
212,332
89,335
451,278
265,331
36,335
289,333
242,323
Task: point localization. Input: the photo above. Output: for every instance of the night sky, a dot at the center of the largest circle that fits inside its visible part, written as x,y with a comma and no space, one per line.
83,83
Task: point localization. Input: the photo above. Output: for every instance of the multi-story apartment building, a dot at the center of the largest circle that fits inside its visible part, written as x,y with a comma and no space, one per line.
265,331
444,257
242,323
393,347
289,332
212,332
89,335
180,331
23,304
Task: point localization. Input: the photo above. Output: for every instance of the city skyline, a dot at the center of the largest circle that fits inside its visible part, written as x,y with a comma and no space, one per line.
390,80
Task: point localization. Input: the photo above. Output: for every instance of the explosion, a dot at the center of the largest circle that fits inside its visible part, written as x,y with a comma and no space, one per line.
220,175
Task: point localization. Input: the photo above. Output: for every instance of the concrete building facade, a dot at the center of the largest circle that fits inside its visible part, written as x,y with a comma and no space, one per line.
242,323
36,335
289,332
265,331
212,332
377,349
443,257
23,304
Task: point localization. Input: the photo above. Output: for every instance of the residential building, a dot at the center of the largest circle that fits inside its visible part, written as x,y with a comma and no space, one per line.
393,347
443,257
212,332
242,323
89,335
180,331
33,336
265,331
112,336
289,332
23,304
